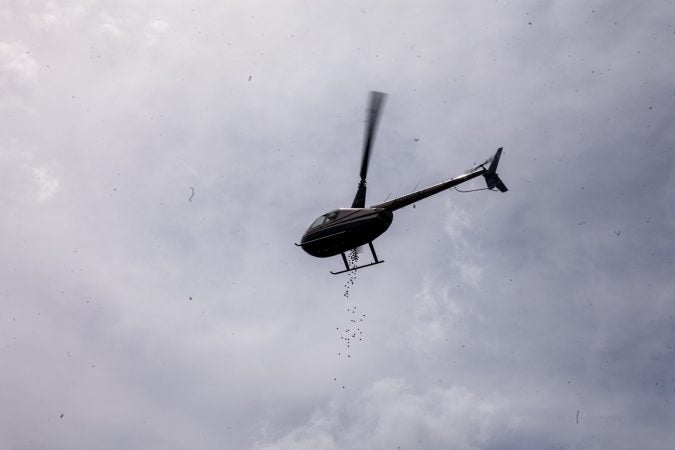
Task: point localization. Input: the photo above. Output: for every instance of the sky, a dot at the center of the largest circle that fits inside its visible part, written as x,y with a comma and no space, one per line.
158,160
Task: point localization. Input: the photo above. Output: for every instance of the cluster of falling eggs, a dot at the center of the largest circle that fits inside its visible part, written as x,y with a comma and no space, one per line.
351,332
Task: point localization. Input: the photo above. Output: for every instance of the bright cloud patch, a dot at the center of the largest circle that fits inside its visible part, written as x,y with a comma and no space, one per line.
393,414
436,314
61,15
47,183
154,30
18,69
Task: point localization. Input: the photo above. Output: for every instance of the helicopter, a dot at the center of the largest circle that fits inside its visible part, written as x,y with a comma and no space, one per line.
345,229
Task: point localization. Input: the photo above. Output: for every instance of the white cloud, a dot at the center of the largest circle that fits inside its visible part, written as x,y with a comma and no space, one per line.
456,223
471,273
111,26
465,239
25,178
154,31
392,413
436,316
18,68
317,434
59,15
47,183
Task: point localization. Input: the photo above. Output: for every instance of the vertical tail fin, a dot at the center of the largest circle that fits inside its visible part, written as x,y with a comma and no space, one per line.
491,177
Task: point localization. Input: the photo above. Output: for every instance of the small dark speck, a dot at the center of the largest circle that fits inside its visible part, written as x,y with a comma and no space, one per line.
583,222
190,298
617,232
651,108
61,416
529,23
250,77
417,139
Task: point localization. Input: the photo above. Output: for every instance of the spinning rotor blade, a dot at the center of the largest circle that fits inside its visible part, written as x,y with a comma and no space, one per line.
374,108
376,102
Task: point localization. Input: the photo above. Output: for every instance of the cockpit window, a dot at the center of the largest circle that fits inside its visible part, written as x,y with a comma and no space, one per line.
324,219
317,222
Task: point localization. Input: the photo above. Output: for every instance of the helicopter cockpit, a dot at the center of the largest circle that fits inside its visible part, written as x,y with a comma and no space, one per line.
321,220
326,218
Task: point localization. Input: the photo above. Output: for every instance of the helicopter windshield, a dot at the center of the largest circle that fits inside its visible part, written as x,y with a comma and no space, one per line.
324,219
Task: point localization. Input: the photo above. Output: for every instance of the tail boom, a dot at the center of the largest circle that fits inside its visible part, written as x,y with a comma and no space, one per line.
490,174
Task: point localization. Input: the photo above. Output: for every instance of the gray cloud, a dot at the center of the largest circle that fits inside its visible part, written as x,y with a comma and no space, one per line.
154,318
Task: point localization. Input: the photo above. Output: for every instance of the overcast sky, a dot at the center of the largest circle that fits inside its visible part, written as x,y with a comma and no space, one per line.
159,159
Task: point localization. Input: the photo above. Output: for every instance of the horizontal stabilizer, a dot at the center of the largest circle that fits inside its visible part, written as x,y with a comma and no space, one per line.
500,185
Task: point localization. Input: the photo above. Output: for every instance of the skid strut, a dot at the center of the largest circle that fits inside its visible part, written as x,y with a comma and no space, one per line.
348,269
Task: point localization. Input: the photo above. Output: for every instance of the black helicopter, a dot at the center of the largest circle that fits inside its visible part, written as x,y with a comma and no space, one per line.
345,229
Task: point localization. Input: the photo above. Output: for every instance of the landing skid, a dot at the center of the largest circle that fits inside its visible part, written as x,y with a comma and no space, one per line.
349,269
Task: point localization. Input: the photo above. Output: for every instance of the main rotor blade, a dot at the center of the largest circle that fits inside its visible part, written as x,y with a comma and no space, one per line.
375,106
